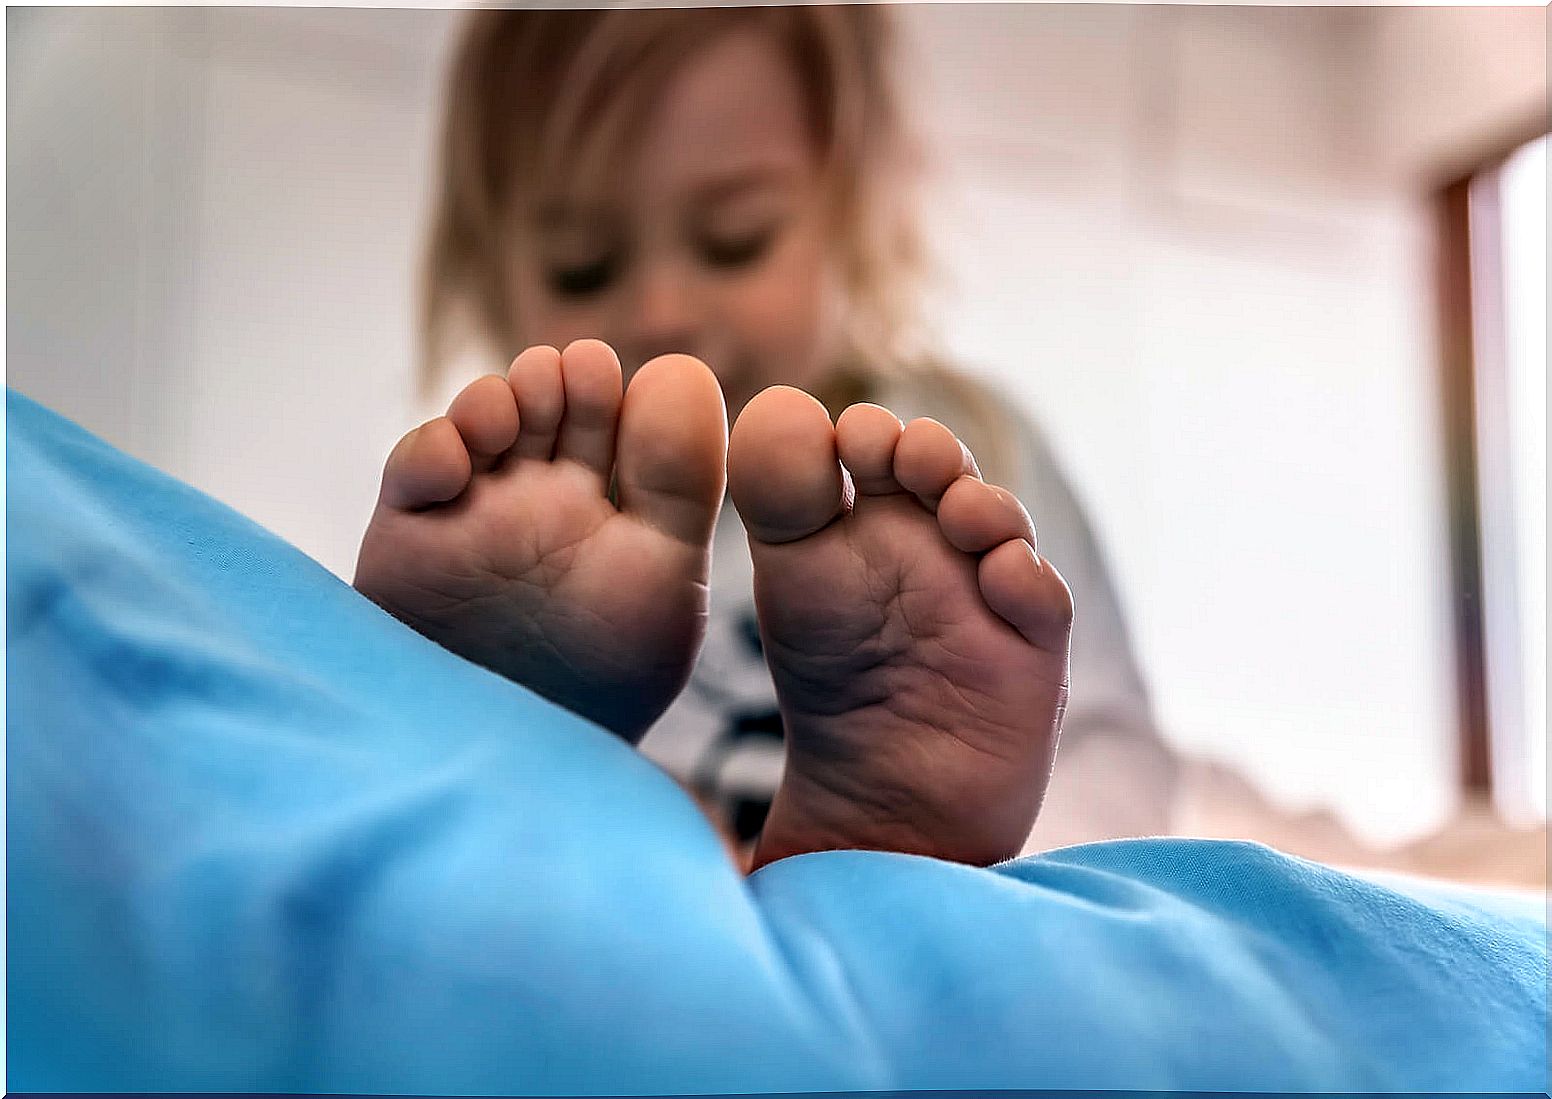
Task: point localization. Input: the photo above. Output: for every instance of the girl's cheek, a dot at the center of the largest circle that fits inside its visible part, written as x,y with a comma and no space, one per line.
780,316
811,314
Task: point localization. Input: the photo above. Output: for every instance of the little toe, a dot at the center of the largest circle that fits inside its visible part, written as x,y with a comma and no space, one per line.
929,458
485,414
590,377
975,516
784,472
535,378
429,466
1026,592
672,443
865,437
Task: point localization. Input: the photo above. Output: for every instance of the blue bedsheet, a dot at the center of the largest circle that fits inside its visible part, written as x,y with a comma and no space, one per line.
263,837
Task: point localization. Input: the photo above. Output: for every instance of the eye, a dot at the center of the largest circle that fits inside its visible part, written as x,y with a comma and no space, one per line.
743,250
582,280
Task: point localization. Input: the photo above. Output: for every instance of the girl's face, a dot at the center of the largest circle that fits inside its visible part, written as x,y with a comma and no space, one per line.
711,242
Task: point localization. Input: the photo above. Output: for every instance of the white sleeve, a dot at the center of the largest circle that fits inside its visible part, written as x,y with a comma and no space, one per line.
1114,776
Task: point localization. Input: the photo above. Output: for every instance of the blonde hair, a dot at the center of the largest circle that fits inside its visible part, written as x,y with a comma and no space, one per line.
545,94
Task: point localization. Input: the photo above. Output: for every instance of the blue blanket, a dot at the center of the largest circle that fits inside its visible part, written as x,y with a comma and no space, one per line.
263,837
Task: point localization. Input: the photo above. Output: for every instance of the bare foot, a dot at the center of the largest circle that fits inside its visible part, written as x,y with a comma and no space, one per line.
495,534
917,641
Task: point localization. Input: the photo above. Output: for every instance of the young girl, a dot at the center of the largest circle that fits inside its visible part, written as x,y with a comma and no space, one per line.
735,185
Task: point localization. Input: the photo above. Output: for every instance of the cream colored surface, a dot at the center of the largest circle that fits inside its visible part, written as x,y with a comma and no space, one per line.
1473,846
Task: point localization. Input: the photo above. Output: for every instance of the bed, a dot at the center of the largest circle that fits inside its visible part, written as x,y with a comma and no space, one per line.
261,837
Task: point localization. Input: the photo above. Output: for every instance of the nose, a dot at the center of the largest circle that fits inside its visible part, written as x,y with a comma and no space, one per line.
666,313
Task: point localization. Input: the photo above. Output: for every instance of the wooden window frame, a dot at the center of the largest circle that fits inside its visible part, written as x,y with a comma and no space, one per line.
1459,339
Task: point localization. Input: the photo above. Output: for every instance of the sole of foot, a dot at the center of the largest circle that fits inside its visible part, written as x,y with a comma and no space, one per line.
555,527
918,643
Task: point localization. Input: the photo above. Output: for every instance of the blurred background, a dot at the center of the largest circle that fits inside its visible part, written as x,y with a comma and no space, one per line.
1272,279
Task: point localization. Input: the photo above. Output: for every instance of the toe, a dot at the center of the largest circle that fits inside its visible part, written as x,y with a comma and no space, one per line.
975,516
672,448
783,468
865,437
590,378
429,466
535,379
1028,594
485,414
929,458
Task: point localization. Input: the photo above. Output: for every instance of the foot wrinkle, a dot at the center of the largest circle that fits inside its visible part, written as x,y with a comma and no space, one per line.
887,808
955,731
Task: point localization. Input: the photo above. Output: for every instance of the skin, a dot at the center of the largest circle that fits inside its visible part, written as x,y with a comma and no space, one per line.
716,246
918,643
495,533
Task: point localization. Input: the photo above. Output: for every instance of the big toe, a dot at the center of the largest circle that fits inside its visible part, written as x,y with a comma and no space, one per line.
784,472
672,448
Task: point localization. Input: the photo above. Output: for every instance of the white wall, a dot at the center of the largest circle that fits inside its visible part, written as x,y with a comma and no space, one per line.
315,178
1209,274
1449,80
102,122
1191,239
214,224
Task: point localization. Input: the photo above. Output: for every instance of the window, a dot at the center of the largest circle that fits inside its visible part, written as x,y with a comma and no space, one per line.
1495,327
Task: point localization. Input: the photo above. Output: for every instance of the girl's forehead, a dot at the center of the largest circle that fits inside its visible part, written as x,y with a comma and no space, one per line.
729,119
738,95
